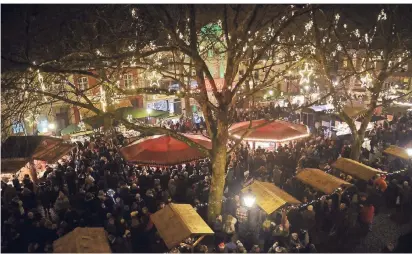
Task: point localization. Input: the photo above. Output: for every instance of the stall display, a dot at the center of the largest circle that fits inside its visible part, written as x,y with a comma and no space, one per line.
17,151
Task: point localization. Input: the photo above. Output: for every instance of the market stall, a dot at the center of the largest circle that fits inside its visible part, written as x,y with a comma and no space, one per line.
269,197
356,169
268,134
177,222
322,181
18,151
397,152
83,240
163,150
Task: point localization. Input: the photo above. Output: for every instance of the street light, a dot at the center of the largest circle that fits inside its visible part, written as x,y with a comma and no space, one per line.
149,111
249,199
409,152
270,92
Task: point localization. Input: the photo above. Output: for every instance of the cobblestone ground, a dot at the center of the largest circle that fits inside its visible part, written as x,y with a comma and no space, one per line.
384,231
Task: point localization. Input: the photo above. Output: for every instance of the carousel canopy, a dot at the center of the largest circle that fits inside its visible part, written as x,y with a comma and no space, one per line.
164,150
83,240
16,151
321,180
356,169
269,197
264,130
176,222
398,152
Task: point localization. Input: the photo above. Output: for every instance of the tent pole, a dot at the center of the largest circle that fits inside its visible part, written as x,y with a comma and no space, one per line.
197,242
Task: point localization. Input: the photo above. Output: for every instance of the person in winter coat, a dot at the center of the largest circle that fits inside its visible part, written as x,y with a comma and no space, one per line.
61,205
16,183
28,198
229,227
172,187
309,220
218,229
366,215
405,200
381,184
9,193
277,176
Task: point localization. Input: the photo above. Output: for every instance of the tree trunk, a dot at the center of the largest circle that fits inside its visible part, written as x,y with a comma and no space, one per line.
218,160
188,108
356,147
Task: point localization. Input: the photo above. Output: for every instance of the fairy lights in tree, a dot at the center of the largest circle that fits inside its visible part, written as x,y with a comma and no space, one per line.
382,15
41,81
103,98
32,118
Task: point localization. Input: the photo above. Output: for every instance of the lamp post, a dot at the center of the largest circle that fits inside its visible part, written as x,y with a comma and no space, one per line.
249,199
149,111
51,126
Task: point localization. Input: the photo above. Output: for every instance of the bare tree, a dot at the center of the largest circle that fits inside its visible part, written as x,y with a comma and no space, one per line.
350,52
175,41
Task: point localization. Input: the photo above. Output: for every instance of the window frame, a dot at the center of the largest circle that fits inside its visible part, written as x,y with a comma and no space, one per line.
83,85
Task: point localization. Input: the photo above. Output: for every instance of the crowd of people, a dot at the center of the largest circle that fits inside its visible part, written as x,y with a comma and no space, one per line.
95,187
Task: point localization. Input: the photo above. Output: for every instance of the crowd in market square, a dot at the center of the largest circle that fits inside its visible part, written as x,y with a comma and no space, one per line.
95,187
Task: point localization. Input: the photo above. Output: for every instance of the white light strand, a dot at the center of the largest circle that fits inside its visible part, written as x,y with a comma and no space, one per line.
382,15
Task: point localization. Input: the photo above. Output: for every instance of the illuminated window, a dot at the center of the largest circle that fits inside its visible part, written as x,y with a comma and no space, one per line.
83,83
128,80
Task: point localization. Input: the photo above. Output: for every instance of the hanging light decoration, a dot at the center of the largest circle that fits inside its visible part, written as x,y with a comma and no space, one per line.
366,80
305,74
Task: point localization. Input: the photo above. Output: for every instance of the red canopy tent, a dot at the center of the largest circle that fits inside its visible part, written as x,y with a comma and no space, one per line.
276,131
164,150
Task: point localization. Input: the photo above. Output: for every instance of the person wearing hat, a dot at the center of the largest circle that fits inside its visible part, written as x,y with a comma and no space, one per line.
221,248
380,183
